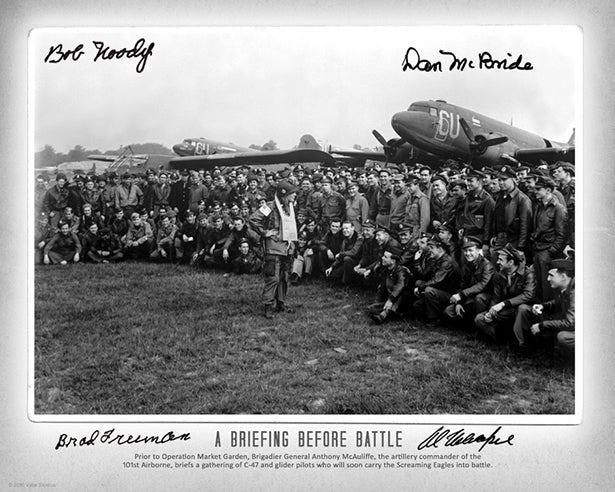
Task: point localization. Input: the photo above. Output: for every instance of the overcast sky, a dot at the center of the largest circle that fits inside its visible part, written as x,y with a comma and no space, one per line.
250,85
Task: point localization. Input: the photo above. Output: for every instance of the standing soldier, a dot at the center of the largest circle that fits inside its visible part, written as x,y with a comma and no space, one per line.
275,223
56,200
399,202
442,203
380,207
512,214
357,207
563,173
332,204
417,208
549,236
476,215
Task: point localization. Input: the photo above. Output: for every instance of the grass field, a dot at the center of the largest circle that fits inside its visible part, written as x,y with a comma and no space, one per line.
141,338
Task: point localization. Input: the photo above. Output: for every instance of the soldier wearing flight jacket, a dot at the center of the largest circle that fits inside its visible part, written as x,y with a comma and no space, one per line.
476,276
513,285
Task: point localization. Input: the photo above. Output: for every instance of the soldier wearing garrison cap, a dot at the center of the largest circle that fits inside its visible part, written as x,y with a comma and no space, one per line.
514,284
553,319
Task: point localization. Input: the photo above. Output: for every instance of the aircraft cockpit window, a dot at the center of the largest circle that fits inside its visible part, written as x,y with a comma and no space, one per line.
421,108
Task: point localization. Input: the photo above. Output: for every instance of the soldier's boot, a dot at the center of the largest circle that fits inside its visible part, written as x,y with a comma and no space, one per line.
268,311
283,308
380,318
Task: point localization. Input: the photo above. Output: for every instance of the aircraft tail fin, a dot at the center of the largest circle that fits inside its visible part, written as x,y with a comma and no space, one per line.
308,142
571,139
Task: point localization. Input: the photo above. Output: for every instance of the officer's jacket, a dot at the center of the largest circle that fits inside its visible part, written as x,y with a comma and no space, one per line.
521,290
381,203
268,218
397,211
236,236
417,212
423,266
394,281
135,233
370,250
357,211
86,222
166,235
56,199
216,236
562,309
93,197
391,242
131,196
476,277
513,215
351,246
63,244
312,201
476,215
162,193
332,205
442,210
119,226
445,276
331,241
549,227
106,242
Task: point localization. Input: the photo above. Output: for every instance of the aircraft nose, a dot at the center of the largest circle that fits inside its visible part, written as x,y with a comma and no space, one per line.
404,123
180,149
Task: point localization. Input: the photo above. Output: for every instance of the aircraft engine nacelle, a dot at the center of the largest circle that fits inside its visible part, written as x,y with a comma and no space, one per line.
490,155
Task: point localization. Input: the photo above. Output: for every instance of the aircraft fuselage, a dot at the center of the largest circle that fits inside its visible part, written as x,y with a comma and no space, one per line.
434,126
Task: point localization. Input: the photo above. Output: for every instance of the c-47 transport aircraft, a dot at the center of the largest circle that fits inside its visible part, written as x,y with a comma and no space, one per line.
203,153
450,131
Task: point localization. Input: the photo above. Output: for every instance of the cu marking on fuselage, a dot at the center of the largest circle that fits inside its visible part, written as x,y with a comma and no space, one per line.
448,125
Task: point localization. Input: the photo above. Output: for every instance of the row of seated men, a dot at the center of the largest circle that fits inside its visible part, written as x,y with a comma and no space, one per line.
431,277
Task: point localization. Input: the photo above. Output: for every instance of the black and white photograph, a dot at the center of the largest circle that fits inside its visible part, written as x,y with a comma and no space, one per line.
305,221
306,246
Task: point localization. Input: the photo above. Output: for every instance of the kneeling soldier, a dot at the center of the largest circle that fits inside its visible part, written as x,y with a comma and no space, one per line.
554,318
390,295
433,294
476,275
513,285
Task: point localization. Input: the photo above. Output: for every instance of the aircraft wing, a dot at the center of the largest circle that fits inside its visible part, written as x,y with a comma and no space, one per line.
103,157
208,162
549,154
360,155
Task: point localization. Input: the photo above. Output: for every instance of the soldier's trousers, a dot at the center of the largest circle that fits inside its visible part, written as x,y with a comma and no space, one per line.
472,306
433,302
276,272
499,328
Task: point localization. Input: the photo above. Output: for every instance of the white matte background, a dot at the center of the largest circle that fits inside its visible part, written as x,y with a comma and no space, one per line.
544,457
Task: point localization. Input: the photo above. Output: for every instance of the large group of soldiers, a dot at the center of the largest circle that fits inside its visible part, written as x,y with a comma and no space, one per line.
489,249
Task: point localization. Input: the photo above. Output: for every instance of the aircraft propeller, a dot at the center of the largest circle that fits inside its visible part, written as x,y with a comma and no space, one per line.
479,143
390,147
